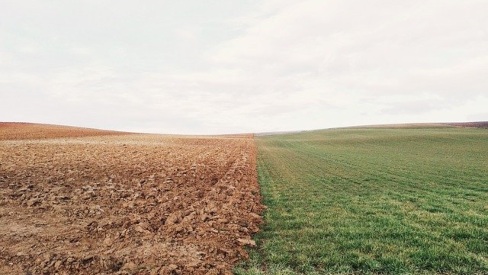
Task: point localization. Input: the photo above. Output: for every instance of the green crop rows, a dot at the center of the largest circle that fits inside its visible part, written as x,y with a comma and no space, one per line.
369,201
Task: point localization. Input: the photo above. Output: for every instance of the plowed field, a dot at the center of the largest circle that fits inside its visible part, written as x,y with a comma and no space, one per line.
146,204
22,131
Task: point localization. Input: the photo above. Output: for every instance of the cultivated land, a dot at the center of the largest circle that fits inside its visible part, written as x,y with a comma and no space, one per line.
22,131
384,200
82,201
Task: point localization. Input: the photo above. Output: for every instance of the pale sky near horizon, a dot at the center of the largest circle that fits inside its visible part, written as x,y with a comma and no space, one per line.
215,67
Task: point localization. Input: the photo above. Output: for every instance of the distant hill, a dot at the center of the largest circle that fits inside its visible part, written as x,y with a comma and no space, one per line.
22,130
477,124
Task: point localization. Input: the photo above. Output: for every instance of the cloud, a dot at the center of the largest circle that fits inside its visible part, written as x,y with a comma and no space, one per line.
264,66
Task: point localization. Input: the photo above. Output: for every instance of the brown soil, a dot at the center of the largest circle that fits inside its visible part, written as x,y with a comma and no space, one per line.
20,130
126,204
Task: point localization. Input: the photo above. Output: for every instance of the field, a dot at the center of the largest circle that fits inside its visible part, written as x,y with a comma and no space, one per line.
401,200
23,131
83,201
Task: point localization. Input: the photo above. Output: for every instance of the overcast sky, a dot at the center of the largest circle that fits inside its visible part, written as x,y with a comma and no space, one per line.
203,67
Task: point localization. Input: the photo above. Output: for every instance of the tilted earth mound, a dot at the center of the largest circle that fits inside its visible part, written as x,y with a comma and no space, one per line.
21,130
127,204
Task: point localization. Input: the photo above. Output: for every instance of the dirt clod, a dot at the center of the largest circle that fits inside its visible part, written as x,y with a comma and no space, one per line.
145,204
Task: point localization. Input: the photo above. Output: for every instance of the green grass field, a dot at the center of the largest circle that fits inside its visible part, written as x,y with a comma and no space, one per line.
367,201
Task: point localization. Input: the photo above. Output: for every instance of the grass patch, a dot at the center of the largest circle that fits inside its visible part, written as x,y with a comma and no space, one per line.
373,201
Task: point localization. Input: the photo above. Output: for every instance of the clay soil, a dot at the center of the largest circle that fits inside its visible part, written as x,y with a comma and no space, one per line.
22,131
105,203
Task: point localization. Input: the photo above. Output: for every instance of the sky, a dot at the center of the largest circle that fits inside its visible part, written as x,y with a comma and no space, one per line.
220,66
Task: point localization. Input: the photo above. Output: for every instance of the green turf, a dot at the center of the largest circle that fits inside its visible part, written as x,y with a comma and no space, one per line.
368,201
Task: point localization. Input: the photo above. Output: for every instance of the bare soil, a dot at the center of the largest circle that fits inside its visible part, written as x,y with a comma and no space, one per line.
22,131
126,204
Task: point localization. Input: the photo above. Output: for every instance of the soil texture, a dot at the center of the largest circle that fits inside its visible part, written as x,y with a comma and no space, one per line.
111,203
